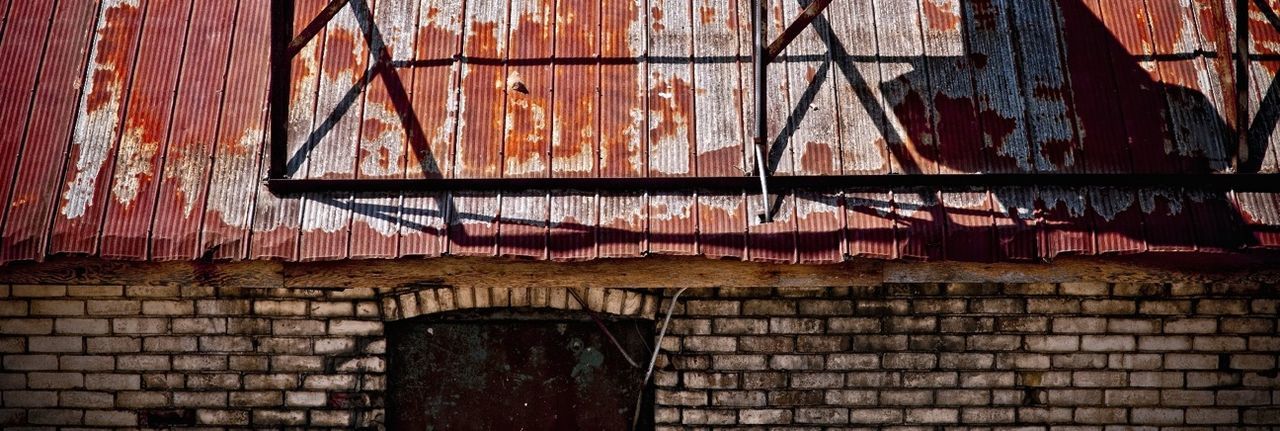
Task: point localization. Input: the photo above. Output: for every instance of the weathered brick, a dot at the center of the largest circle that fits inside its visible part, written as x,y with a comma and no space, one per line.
86,363
1208,416
30,399
1131,397
167,291
790,398
1214,306
354,327
1053,343
853,325
741,326
62,344
1083,289
199,325
1218,343
110,418
26,326
131,326
821,415
963,397
821,343
826,307
699,307
86,399
708,417
300,363
113,344
825,380
906,398
55,417
768,307
853,361
1157,416
279,417
30,362
222,417
796,362
46,380
739,362
38,291
305,399
910,360
168,307
98,291
143,362
217,343
213,381
878,343
703,380
875,416
223,307
680,398
1108,343
703,343
766,344
141,399
264,307
112,382
1164,307
100,307
12,307
932,416
256,399
169,344
203,362
794,325
764,416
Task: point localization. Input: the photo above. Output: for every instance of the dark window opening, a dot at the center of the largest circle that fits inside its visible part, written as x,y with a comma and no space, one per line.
524,370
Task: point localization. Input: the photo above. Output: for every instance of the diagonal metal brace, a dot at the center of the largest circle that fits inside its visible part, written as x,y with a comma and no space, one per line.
760,58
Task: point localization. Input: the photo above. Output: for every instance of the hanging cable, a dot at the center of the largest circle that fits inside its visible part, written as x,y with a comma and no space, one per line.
657,347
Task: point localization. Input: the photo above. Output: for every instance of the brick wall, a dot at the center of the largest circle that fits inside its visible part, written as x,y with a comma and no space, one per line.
929,357
908,356
116,356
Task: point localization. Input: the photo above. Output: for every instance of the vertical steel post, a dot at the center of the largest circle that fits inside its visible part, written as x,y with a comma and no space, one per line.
759,67
281,73
1242,84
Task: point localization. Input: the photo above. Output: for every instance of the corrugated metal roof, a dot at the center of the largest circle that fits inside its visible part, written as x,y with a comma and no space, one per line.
136,128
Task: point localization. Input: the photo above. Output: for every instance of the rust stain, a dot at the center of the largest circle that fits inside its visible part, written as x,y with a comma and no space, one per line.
112,54
985,14
340,52
940,18
818,157
655,16
707,14
669,124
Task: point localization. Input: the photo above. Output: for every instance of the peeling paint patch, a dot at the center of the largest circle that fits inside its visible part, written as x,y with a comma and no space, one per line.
134,163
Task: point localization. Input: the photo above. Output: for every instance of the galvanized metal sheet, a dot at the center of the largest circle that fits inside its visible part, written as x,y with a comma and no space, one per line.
184,179
146,132
241,139
49,127
97,128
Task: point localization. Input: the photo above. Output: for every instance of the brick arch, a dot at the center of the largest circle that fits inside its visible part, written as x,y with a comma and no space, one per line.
419,301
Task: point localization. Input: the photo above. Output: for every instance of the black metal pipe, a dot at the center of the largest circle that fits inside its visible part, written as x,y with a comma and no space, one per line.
759,64
281,75
1242,84
1237,182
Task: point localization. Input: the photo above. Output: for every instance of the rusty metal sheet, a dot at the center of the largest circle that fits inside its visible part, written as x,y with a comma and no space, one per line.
473,224
869,216
1097,59
26,26
622,225
814,137
573,225
1045,87
435,98
774,241
1064,226
482,117
969,226
184,180
385,126
1142,96
819,226
146,127
1166,221
1216,221
920,224
276,220
241,139
721,140
1117,220
862,119
1261,214
423,228
527,144
522,224
672,216
623,125
1016,223
575,138
1001,113
1199,133
951,83
718,90
1264,135
49,127
722,224
97,128
332,150
909,135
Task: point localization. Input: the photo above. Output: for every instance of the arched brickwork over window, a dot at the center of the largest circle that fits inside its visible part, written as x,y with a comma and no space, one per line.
412,302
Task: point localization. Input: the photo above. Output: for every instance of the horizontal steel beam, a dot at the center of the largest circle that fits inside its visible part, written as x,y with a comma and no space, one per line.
1238,182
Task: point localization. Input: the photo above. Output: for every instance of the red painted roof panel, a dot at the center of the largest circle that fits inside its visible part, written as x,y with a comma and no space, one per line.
141,128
